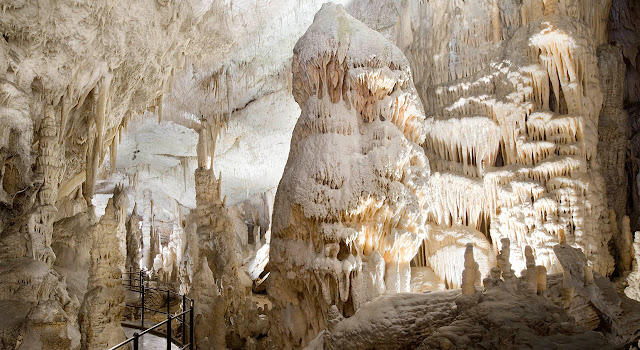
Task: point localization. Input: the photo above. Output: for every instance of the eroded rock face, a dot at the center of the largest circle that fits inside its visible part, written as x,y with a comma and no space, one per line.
15,142
348,214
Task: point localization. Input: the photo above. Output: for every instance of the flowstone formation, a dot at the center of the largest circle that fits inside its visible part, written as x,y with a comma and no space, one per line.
503,153
102,310
348,214
512,131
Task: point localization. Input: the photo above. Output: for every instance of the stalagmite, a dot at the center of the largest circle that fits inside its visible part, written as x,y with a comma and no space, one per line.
503,261
531,272
103,307
215,281
471,273
348,214
134,240
541,280
40,224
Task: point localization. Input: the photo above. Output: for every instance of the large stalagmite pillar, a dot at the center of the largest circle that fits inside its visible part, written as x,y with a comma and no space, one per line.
134,240
48,164
102,311
348,214
215,284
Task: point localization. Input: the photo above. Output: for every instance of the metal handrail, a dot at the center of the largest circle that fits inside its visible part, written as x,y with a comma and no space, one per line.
141,273
181,317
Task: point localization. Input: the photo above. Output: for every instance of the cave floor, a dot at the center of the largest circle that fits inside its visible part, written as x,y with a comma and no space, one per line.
149,341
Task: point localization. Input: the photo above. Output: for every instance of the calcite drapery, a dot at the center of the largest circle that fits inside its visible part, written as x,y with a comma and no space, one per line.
512,140
348,214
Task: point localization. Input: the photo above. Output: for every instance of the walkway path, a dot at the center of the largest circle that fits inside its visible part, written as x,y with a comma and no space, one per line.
149,341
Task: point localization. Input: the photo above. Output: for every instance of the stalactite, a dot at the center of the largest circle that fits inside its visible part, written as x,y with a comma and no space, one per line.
495,21
93,159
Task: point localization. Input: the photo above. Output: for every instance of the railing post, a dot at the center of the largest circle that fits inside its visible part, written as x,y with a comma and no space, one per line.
168,319
184,318
168,331
142,309
191,345
135,340
168,301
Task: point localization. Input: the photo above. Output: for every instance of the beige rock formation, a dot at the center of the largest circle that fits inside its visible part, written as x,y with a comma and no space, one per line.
625,32
134,242
502,317
215,282
72,75
471,272
103,307
348,214
613,134
72,242
512,125
42,314
215,279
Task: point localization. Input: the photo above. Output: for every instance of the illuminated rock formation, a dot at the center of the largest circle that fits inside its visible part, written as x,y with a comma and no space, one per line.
348,214
511,132
215,278
72,75
215,282
471,273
